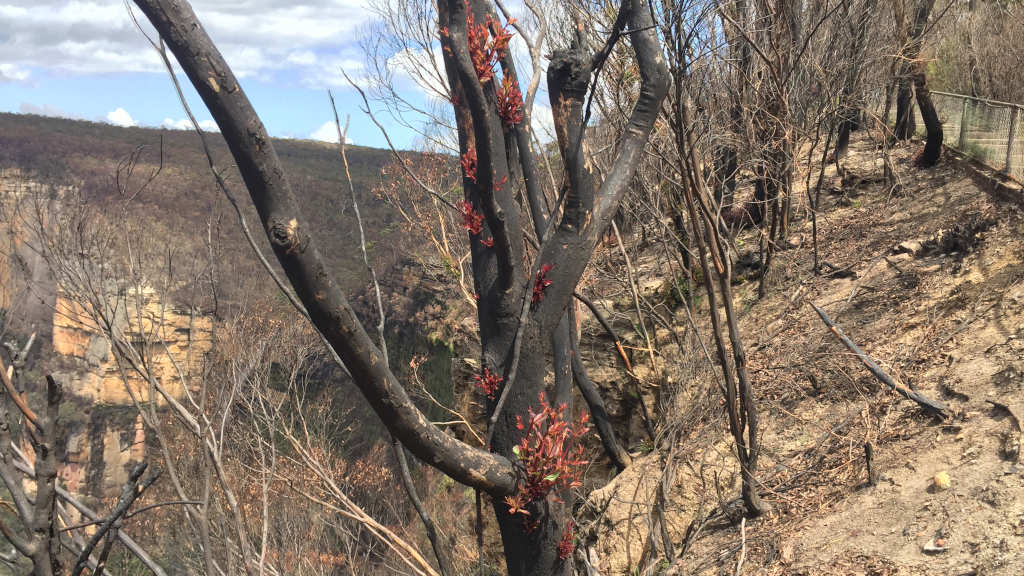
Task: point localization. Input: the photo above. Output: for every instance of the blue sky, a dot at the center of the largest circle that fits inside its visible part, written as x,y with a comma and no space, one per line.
85,59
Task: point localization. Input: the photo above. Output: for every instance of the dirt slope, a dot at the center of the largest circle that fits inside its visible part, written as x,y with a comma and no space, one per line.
938,300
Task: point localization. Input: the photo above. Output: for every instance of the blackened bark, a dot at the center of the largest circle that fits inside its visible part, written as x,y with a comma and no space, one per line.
568,80
46,557
493,189
618,455
504,341
905,123
933,145
759,207
843,140
587,214
725,175
913,74
849,116
297,253
740,49
569,249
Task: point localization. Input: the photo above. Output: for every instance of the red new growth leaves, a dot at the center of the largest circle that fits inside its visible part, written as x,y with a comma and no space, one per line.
488,382
500,184
510,102
550,454
567,544
471,219
469,164
541,282
488,43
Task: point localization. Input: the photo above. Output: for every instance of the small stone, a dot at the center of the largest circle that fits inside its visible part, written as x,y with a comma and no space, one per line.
911,247
941,481
935,546
786,554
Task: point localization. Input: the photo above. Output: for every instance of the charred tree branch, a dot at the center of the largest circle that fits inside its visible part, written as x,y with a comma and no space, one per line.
932,406
299,257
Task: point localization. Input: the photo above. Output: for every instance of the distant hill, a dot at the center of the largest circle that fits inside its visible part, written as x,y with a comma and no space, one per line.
183,198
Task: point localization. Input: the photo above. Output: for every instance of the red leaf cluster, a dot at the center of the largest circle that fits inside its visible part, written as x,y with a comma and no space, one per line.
499,185
510,103
567,544
550,454
469,164
488,44
471,219
488,382
541,282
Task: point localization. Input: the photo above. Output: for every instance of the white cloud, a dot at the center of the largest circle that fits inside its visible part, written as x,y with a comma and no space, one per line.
257,37
120,117
328,132
172,124
186,124
10,72
44,110
302,58
327,72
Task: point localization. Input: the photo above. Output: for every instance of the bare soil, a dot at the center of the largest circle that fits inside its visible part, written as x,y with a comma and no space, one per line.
938,301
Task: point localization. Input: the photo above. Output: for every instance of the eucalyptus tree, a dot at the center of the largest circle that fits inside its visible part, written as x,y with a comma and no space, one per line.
522,301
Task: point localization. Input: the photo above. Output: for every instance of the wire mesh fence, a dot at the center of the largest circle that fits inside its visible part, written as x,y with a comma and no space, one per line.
985,130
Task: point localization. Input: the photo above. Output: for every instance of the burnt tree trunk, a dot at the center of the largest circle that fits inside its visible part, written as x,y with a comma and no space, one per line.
849,115
725,174
905,123
518,333
933,127
739,49
848,122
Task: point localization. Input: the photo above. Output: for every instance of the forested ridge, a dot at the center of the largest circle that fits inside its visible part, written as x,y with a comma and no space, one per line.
183,196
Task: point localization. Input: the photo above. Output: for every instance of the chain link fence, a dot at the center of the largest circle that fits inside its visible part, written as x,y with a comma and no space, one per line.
988,131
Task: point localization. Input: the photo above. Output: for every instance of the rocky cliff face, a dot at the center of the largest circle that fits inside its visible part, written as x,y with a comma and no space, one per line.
25,282
104,435
108,437
174,342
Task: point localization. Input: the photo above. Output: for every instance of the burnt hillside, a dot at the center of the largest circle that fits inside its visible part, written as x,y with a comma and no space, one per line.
183,200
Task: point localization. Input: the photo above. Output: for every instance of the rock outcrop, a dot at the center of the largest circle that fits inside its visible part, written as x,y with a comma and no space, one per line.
104,434
174,342
107,437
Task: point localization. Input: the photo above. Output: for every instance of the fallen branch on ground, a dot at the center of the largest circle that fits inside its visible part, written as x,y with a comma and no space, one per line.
933,406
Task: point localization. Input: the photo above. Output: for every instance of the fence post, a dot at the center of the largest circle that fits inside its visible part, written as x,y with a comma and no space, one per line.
1014,113
962,142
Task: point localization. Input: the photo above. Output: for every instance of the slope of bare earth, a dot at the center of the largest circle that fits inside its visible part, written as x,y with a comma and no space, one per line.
938,300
